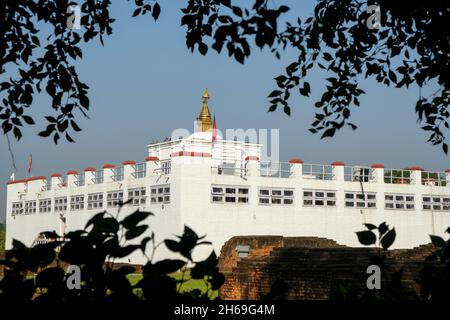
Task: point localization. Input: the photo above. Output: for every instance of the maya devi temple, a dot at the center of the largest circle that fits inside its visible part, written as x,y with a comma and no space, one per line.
223,188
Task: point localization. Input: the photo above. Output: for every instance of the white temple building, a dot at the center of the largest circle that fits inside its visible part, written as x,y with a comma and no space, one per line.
224,189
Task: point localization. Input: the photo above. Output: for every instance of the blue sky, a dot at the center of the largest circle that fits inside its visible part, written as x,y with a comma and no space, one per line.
145,83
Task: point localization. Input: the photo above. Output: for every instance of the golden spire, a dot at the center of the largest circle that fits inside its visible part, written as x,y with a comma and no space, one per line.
204,118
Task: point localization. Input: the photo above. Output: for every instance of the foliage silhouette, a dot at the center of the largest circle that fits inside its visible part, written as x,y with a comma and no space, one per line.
434,277
383,240
410,47
94,250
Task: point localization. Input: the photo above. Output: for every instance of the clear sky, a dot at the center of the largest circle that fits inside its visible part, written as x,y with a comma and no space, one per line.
145,83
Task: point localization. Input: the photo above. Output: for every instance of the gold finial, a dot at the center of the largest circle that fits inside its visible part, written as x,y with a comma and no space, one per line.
204,118
205,95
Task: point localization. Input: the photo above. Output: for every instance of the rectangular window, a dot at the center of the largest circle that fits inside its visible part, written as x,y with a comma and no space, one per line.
113,198
228,194
138,195
77,202
288,193
275,196
436,203
243,191
230,190
60,204
30,207
319,198
95,201
358,200
160,194
140,170
17,208
276,200
217,190
399,201
277,192
45,205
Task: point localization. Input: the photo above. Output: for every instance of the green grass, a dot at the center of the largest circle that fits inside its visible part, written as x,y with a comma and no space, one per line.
2,237
187,286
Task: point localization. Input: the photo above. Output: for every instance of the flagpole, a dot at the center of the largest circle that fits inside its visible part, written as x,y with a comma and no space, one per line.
30,165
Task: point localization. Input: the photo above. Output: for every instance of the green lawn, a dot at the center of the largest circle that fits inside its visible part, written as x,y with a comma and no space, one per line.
189,285
2,237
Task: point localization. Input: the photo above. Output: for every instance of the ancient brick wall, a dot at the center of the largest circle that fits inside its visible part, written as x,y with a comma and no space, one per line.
262,246
313,268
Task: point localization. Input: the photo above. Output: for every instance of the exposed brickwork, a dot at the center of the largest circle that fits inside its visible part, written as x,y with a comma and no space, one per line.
312,267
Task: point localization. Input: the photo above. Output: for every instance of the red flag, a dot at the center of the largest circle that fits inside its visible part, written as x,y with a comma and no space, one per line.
214,133
30,164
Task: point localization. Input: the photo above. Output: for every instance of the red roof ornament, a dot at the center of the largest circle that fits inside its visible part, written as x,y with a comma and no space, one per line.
109,166
152,158
56,175
296,160
377,166
129,163
415,168
90,169
72,172
337,163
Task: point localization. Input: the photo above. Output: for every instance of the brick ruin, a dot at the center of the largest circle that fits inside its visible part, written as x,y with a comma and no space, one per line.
314,268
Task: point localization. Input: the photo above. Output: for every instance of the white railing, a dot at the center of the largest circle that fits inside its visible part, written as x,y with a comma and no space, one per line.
63,183
359,174
229,167
437,179
140,170
165,167
398,176
274,169
48,184
118,174
80,180
317,171
98,177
